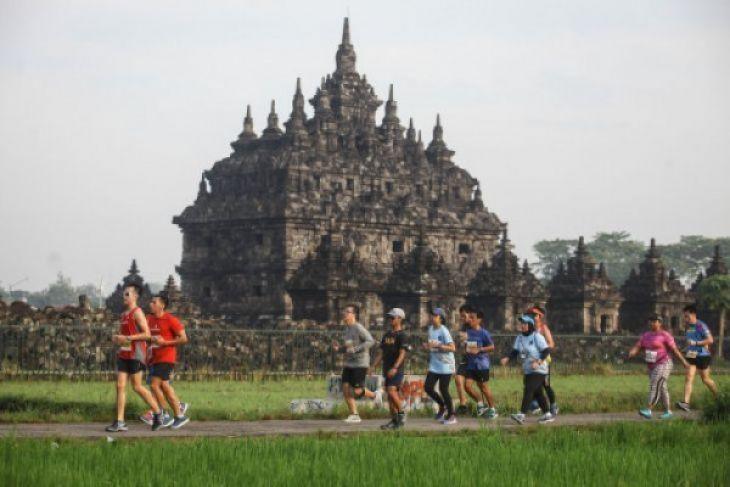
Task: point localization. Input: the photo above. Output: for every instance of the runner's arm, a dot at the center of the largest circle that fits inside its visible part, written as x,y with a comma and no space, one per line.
181,338
401,358
709,340
635,349
679,355
548,337
367,340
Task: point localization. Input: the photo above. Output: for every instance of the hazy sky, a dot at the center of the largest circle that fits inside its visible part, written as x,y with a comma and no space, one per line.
576,116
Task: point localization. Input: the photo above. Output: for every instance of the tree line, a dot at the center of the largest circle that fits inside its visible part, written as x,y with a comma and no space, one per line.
620,252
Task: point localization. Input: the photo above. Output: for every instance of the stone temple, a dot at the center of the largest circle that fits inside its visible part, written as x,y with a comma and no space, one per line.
337,208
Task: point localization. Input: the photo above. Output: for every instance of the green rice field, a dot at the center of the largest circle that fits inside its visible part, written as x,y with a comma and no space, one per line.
678,453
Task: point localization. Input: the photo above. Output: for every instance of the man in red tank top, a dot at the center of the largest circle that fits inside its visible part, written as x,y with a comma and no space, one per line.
131,340
167,333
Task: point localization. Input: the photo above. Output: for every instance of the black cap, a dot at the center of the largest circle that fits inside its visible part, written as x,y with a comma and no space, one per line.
655,317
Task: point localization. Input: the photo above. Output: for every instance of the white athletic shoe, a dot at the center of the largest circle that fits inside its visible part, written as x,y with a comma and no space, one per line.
546,418
518,418
378,401
353,418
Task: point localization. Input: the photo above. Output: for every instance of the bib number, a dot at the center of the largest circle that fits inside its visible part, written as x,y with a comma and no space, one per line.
691,354
650,356
125,349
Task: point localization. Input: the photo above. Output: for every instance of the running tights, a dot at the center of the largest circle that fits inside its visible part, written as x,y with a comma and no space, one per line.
534,384
444,399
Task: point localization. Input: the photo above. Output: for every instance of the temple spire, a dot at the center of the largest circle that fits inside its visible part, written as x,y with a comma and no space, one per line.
653,252
411,133
133,270
202,187
437,149
346,32
272,129
345,57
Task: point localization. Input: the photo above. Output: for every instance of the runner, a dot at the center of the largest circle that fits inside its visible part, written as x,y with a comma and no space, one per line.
460,379
440,366
656,344
532,348
147,417
478,345
358,342
133,332
167,333
699,339
393,349
538,314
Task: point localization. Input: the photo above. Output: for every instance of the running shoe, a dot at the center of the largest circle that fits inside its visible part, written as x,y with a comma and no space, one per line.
156,422
184,408
481,410
117,426
440,414
666,415
146,418
401,419
684,406
449,420
519,418
167,420
536,411
546,418
554,409
390,425
462,409
353,418
535,408
180,421
491,413
645,413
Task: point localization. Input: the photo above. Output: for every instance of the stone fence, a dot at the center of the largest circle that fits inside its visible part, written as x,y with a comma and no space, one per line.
88,349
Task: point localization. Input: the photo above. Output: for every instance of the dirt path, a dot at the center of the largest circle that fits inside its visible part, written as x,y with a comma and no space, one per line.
297,427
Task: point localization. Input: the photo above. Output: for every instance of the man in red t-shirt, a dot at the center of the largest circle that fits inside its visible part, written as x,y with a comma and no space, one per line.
167,333
131,340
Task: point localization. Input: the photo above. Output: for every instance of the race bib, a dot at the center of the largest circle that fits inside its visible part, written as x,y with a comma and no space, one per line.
472,347
650,356
691,354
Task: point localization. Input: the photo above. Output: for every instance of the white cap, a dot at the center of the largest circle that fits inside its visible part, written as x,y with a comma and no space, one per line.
397,312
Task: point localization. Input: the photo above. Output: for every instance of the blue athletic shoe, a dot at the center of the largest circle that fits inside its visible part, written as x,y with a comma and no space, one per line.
645,413
666,415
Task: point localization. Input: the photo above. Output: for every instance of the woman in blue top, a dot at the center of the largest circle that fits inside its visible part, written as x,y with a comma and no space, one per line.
532,349
441,366
699,339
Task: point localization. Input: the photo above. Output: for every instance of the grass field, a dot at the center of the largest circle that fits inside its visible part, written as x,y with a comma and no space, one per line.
68,401
628,454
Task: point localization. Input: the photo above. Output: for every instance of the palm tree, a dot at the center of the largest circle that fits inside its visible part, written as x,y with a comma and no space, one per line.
714,292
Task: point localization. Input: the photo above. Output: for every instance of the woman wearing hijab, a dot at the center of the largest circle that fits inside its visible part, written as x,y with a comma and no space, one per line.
531,347
657,343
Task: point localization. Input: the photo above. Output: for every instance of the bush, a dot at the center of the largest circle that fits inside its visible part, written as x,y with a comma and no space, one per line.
717,410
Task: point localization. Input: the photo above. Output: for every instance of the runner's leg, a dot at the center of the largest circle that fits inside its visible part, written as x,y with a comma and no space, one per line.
470,390
532,383
444,381
705,376
487,393
431,380
121,394
170,394
666,371
349,399
143,392
689,379
460,383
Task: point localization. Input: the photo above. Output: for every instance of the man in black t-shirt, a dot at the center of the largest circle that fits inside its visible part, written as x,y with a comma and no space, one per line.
393,349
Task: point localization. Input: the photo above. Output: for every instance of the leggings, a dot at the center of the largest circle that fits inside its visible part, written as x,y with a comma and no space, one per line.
658,378
548,389
534,384
443,400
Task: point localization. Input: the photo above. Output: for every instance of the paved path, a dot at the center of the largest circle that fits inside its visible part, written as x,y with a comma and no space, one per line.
234,429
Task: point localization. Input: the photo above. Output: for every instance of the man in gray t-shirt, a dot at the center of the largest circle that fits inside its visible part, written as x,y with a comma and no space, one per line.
356,347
